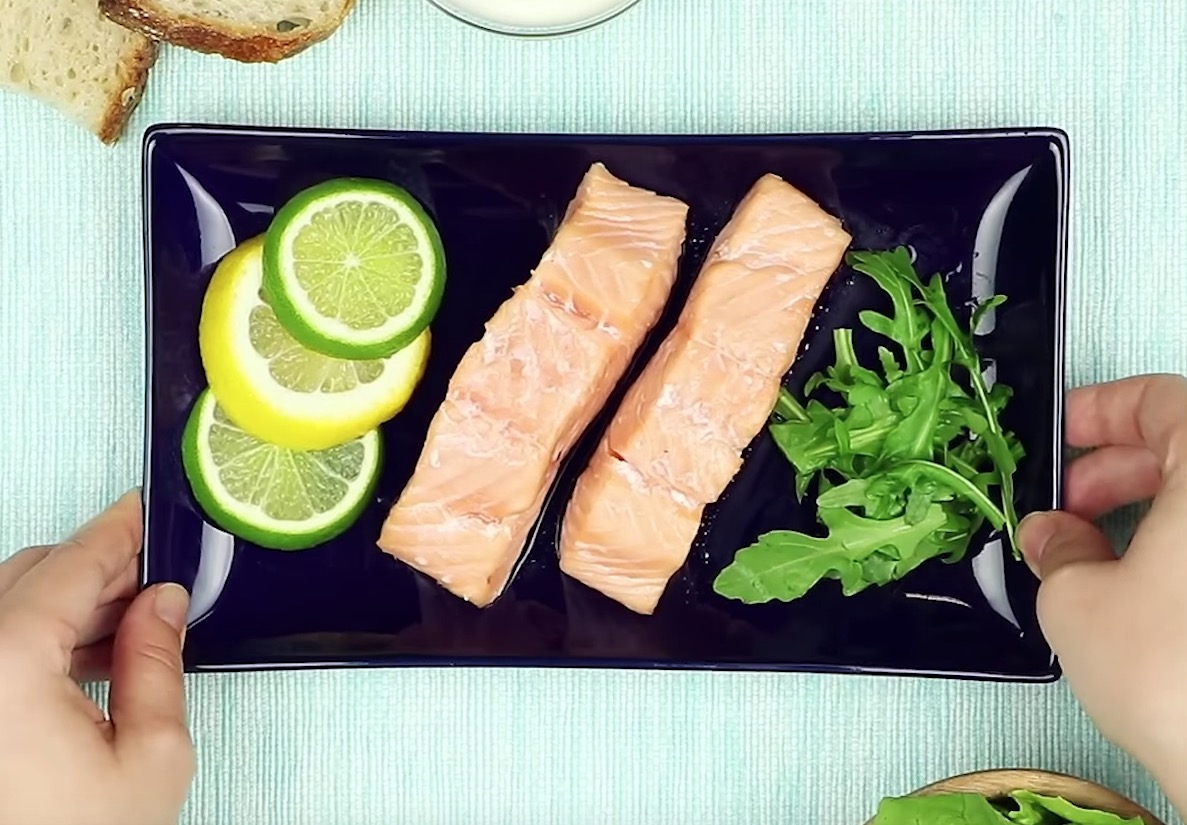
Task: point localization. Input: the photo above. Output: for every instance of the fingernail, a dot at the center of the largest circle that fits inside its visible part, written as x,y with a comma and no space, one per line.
1034,532
171,603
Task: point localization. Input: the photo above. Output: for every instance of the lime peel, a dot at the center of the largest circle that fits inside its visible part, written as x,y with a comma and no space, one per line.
355,241
251,520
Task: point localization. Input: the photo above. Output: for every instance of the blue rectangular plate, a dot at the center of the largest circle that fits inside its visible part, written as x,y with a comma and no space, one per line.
975,205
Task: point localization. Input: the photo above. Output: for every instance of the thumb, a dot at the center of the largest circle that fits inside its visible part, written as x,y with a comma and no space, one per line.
1054,540
1069,555
147,700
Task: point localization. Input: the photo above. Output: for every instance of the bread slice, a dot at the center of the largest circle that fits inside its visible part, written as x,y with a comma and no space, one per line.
68,55
254,31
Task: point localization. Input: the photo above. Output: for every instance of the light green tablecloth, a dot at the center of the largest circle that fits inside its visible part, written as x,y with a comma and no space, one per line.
514,747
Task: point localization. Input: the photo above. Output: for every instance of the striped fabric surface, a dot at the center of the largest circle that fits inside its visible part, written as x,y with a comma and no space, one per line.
491,747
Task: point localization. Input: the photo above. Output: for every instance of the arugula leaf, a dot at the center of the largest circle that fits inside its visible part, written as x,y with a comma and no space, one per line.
914,436
975,809
894,273
909,458
984,308
998,445
958,483
811,447
784,565
1034,809
942,809
889,364
1031,813
788,409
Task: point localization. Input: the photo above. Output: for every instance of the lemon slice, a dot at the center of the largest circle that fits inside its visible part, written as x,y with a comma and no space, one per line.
277,498
354,267
277,389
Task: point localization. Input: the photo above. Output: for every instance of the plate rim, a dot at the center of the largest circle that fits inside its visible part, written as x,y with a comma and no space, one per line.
155,131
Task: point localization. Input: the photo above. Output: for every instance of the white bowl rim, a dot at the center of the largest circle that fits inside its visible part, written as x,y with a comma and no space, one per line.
451,8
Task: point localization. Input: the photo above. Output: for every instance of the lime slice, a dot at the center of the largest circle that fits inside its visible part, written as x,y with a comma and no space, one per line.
272,496
279,390
354,267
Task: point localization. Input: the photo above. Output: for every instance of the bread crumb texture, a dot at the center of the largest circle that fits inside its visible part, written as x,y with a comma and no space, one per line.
69,55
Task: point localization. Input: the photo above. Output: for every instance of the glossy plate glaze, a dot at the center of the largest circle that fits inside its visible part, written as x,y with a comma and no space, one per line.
990,208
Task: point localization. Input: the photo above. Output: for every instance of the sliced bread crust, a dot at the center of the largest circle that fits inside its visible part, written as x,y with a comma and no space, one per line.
70,57
207,34
133,74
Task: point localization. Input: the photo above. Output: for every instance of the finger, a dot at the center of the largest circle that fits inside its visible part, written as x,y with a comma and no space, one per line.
1111,477
125,586
57,596
16,566
1149,411
1075,562
147,703
20,563
1055,540
103,623
92,663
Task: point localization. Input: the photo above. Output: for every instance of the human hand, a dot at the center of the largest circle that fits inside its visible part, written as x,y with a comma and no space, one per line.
1119,626
62,761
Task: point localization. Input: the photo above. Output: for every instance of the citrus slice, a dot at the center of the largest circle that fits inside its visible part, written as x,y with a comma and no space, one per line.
275,497
279,390
354,267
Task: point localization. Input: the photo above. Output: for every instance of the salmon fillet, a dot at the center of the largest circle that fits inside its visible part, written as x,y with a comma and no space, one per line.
624,535
522,395
677,440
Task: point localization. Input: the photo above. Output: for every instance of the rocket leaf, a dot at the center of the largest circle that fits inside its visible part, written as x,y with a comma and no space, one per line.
908,454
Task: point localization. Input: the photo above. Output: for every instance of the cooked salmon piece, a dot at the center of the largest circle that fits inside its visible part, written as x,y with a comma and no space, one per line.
593,274
670,427
444,545
677,440
625,533
525,392
763,276
458,469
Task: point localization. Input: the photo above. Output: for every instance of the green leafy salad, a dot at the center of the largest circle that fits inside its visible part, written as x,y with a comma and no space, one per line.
1020,808
908,453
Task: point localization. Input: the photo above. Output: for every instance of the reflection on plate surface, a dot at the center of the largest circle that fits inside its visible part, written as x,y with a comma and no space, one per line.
216,553
989,564
989,209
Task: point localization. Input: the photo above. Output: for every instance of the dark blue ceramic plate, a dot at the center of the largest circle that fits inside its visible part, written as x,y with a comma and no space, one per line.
988,207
